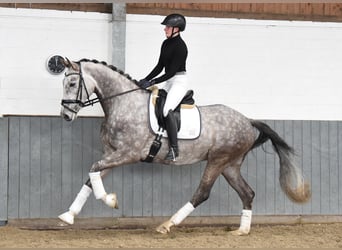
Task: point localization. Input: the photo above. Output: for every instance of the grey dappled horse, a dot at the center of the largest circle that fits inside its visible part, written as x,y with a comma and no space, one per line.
226,137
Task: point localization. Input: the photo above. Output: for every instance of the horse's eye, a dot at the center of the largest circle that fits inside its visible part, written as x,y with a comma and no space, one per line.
72,84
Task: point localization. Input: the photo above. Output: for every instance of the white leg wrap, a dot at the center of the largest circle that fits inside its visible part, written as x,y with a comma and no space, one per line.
182,213
77,205
97,184
80,200
246,220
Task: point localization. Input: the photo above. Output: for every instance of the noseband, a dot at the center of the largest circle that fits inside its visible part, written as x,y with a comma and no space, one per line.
88,102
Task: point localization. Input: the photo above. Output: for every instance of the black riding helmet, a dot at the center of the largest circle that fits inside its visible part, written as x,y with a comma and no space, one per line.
175,20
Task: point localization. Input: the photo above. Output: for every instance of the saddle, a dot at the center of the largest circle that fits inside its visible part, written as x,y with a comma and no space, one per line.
159,102
187,115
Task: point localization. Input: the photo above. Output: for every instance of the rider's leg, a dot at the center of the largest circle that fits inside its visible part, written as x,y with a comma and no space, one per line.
176,88
172,130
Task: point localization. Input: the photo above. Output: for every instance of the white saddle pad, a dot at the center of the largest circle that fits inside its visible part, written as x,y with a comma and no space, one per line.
190,120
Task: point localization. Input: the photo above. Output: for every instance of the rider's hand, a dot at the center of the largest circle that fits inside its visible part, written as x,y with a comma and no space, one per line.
143,83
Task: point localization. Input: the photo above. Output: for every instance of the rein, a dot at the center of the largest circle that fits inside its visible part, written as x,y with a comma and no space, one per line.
88,102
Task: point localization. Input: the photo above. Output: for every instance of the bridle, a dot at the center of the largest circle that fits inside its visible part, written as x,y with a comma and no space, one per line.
88,102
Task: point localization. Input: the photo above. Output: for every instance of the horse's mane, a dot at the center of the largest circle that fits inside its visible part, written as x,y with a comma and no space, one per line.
112,67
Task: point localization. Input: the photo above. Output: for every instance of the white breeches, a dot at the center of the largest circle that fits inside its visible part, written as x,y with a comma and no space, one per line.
176,87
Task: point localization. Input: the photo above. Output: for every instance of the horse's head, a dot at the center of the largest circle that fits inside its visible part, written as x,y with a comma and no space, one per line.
77,87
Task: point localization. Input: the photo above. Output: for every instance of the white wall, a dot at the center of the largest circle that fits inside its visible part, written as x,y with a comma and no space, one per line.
28,38
264,69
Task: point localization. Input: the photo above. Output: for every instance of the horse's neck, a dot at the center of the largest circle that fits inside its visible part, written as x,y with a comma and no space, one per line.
110,83
111,89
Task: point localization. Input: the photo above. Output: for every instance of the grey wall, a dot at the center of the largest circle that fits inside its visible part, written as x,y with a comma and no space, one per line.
3,169
47,160
119,35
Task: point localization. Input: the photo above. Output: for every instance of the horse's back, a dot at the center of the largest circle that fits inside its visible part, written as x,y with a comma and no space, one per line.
223,122
222,113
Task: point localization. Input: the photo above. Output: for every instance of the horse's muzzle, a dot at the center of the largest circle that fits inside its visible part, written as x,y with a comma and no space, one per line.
67,118
67,115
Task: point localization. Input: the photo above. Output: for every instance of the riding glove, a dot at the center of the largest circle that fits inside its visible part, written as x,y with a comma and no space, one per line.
143,83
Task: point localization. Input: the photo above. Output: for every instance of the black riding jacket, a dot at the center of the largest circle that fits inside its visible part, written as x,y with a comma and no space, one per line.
172,57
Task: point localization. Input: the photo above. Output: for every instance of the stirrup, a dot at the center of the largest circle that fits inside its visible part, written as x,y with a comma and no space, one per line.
171,155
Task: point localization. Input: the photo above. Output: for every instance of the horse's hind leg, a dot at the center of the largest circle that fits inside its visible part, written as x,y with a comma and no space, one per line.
210,175
233,175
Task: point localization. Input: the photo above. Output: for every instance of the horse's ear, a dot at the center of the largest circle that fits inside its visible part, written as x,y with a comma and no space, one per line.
70,64
66,62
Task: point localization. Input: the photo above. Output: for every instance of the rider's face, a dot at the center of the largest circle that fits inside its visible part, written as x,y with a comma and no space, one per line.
168,31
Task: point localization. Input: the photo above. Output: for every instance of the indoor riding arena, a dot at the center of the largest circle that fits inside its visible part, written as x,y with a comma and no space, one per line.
277,64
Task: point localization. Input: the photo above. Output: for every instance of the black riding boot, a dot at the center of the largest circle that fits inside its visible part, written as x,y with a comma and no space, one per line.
172,130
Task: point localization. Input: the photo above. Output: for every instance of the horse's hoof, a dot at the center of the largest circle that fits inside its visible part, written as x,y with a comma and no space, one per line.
67,217
111,200
165,227
239,232
163,230
62,224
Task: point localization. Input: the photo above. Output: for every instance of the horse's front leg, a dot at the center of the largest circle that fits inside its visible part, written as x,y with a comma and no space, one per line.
95,176
94,183
81,198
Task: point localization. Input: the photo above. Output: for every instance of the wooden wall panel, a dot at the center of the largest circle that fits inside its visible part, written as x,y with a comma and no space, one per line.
277,11
88,7
14,169
49,160
3,169
35,173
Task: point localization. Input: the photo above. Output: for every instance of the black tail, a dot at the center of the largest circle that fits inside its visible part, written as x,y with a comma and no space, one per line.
291,180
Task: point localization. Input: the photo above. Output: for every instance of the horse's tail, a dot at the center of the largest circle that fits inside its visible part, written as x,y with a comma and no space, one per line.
291,179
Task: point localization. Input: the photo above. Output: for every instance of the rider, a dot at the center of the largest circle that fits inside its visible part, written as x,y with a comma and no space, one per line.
172,57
